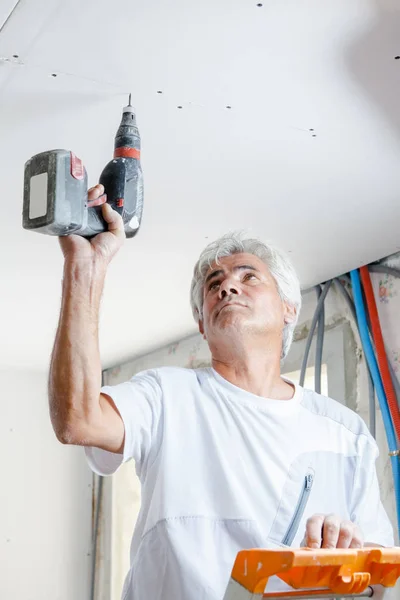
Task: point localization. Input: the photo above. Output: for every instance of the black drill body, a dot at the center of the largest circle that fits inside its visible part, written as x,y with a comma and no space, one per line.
121,176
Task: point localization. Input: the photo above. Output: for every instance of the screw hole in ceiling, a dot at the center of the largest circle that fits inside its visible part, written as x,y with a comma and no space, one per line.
396,57
179,106
54,74
259,4
159,92
15,56
228,107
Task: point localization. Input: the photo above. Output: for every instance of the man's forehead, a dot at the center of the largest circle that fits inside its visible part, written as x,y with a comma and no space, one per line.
226,263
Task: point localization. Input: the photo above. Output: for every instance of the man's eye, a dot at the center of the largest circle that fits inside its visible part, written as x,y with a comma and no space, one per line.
213,285
249,276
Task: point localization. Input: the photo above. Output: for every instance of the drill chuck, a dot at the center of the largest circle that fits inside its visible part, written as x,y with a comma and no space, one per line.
127,135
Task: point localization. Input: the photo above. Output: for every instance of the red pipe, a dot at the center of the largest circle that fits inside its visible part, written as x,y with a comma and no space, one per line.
380,349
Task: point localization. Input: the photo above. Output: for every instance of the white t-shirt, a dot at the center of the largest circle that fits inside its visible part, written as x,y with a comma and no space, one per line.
223,470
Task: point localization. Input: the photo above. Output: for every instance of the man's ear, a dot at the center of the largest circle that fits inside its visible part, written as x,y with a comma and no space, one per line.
290,313
201,329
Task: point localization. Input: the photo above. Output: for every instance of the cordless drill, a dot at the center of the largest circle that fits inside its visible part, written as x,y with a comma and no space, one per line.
56,188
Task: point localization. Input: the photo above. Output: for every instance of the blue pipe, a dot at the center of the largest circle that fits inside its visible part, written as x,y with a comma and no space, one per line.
376,376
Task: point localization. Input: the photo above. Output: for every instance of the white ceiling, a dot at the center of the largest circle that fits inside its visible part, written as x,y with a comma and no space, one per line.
286,68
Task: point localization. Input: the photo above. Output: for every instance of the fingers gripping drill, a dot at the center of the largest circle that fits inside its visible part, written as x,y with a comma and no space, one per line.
56,188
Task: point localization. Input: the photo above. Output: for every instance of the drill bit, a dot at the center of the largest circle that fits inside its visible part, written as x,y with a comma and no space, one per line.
130,98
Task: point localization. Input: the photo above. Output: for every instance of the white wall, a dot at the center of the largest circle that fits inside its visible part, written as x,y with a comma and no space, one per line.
45,499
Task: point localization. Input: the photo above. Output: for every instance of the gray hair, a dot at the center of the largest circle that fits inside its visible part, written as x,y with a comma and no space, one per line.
277,262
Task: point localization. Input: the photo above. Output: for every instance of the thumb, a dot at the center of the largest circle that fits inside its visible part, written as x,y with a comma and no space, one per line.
113,219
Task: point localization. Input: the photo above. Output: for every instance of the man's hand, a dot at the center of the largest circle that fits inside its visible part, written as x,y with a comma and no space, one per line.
330,531
104,245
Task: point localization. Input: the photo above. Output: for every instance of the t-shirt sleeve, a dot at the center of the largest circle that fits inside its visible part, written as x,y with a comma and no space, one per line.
139,402
368,511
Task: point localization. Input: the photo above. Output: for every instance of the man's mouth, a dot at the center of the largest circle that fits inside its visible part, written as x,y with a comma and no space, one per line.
229,304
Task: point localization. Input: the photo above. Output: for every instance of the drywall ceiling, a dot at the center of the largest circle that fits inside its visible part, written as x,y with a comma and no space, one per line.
307,155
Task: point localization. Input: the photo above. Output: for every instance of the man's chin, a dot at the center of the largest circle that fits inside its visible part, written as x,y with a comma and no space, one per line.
237,325
230,325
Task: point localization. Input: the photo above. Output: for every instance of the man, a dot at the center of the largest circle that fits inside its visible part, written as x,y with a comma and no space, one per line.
230,457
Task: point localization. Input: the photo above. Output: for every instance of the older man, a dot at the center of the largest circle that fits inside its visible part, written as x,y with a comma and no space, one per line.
230,457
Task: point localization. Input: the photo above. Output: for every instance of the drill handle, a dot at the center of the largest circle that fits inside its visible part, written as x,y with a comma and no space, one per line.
123,183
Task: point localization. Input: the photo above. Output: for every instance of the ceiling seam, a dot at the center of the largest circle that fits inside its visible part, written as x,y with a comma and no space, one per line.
2,27
4,83
10,15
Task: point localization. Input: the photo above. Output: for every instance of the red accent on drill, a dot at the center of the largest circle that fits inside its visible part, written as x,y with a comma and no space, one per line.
126,152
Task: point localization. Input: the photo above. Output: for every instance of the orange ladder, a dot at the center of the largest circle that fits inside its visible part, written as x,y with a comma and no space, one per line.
313,573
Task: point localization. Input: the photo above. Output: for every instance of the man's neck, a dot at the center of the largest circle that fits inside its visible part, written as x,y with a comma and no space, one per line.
259,375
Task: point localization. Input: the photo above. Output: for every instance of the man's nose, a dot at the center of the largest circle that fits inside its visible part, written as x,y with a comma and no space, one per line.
229,286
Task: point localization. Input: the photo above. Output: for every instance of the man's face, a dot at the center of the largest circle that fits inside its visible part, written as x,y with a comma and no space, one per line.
240,296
